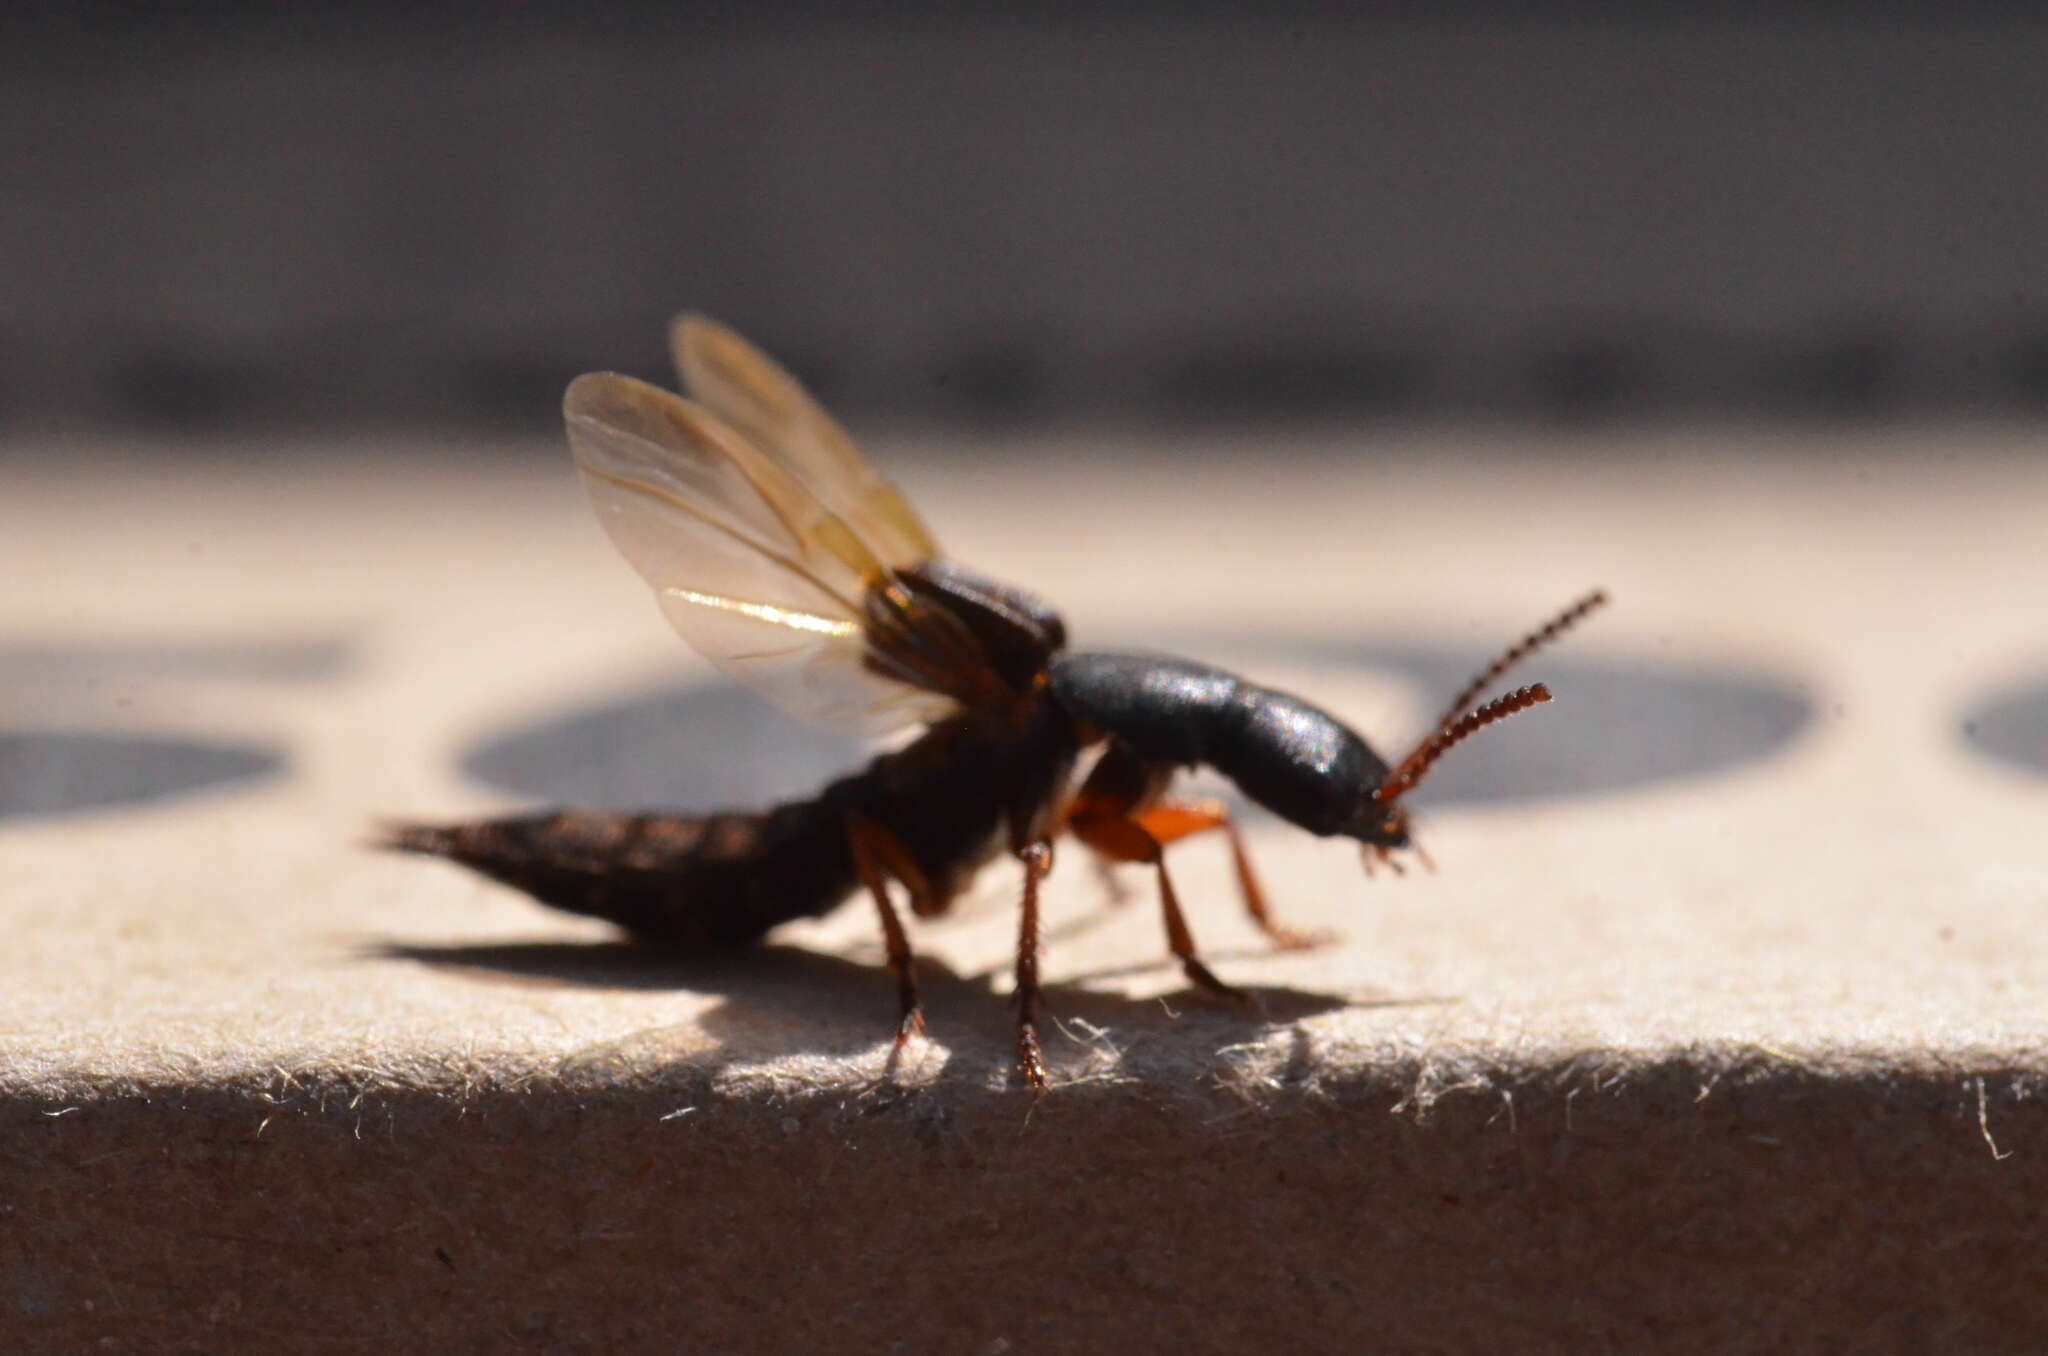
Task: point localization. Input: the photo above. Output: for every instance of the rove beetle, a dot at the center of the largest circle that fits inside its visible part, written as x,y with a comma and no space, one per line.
785,559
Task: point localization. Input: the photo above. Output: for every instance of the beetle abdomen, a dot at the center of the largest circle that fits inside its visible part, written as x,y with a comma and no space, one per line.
681,880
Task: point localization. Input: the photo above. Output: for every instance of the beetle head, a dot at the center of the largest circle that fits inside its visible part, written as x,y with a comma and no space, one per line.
1381,821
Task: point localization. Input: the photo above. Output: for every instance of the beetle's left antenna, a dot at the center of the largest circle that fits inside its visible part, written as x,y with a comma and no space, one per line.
1517,652
1416,765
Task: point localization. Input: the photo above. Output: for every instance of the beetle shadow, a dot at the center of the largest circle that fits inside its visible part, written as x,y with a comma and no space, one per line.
779,1001
2010,726
45,773
1616,724
70,745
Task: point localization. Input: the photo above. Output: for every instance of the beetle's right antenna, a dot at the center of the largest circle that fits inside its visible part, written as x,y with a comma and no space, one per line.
1416,765
1517,652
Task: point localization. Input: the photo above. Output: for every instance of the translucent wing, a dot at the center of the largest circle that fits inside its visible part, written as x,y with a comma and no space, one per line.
751,391
761,577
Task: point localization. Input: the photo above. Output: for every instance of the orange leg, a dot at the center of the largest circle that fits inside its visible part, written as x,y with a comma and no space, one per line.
874,849
1173,821
1037,859
1128,840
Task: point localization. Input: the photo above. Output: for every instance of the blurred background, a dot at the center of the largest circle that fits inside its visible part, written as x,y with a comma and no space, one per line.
355,215
1536,286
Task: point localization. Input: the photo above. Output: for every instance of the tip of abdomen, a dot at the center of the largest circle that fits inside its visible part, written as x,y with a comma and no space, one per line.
392,835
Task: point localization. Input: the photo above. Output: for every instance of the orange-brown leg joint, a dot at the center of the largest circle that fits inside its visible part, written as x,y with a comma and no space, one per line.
1127,840
1173,821
872,845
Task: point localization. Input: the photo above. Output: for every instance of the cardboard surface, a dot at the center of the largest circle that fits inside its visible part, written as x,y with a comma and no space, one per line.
1745,928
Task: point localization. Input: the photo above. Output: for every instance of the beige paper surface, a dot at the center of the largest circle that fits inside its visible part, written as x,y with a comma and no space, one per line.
1778,840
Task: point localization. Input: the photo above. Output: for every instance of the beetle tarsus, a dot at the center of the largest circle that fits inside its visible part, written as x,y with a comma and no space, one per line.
1037,859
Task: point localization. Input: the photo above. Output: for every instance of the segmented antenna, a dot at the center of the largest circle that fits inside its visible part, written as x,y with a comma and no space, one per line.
1416,765
1528,645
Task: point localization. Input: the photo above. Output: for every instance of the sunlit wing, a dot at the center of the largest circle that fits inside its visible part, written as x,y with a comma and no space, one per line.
764,580
751,391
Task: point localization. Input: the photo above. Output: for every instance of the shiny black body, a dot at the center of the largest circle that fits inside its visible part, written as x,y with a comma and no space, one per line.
1294,759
